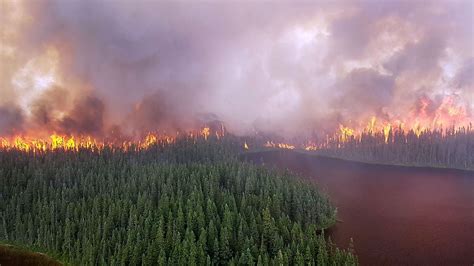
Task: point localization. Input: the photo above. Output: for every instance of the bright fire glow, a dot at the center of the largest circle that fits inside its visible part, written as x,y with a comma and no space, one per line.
424,120
76,143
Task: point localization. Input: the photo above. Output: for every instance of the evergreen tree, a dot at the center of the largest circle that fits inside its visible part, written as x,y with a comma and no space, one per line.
189,202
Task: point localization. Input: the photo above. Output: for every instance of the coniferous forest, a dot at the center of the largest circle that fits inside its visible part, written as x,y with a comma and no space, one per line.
191,202
451,148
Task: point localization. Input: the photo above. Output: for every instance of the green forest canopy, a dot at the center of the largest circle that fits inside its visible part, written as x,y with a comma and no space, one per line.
191,202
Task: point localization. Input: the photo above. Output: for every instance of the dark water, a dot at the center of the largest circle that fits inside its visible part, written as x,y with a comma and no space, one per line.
396,215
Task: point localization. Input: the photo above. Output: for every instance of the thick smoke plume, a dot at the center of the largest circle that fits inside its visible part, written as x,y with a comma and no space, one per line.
94,67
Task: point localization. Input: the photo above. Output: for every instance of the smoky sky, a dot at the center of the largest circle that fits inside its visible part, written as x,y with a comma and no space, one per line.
285,66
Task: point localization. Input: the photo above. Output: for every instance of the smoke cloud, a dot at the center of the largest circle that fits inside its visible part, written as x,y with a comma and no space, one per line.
93,67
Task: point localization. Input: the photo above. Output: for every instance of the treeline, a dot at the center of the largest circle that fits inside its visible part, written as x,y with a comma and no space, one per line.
191,202
440,148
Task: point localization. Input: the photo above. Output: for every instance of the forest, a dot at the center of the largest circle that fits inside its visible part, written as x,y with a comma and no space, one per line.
451,148
189,202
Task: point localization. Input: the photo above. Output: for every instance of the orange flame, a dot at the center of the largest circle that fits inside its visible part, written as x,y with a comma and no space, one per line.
386,132
205,132
345,133
426,119
75,143
271,144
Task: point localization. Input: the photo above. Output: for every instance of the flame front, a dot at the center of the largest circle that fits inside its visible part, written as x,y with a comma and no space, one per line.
76,143
424,121
271,144
346,133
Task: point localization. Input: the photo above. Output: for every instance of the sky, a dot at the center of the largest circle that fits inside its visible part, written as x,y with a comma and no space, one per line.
286,67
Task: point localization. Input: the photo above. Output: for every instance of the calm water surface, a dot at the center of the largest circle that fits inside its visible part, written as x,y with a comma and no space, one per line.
396,215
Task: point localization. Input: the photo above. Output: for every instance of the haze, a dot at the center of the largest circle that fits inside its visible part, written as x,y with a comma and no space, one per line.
288,67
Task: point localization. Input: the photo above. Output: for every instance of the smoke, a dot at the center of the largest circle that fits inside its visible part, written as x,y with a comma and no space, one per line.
11,119
364,87
93,67
85,117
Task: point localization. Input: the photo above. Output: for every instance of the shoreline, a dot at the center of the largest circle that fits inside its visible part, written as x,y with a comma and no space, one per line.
22,255
369,163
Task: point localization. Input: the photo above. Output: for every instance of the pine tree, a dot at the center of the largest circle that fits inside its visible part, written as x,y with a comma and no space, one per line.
148,207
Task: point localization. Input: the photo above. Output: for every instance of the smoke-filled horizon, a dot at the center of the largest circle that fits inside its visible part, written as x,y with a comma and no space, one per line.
91,67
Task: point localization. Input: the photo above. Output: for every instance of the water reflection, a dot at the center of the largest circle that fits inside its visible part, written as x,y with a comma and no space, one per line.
396,215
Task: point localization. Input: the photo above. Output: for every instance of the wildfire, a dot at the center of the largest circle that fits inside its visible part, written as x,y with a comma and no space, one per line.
418,129
310,147
205,132
76,143
346,133
371,125
271,144
426,117
55,142
386,132
425,121
150,139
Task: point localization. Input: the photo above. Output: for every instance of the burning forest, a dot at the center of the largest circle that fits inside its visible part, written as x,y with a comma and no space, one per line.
403,72
164,102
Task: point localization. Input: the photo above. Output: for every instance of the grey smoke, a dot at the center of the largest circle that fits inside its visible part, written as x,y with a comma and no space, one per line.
152,65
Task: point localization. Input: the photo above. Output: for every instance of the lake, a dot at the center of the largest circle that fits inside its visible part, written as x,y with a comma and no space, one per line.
396,215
